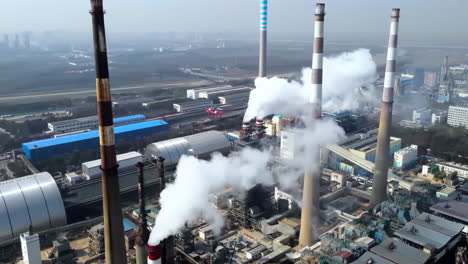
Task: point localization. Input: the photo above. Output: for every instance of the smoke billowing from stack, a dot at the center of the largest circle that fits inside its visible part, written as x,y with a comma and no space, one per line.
310,215
263,38
112,211
143,233
164,252
379,186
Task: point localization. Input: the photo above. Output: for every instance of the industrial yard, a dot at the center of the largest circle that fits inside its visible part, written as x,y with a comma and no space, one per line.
200,158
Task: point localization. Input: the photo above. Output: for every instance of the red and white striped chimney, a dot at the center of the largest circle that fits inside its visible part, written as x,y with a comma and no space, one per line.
154,254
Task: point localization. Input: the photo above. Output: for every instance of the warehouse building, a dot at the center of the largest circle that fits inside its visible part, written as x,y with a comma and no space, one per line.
91,169
195,93
431,234
30,201
200,145
193,106
47,148
235,99
364,145
89,123
213,95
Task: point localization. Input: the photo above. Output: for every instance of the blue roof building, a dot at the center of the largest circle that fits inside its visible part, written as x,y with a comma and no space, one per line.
47,148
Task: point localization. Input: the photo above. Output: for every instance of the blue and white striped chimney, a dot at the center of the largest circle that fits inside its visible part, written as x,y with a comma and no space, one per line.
263,37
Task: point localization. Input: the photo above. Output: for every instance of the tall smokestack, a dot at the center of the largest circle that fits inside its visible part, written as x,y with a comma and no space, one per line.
263,38
310,215
168,245
143,234
112,211
379,186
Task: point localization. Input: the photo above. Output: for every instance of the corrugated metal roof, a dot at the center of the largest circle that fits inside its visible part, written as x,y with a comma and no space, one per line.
200,144
91,134
124,156
455,209
399,252
128,118
33,200
436,233
364,259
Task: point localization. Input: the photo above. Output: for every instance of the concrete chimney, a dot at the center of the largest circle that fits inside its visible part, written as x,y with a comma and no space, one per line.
310,215
143,234
113,227
263,38
167,245
379,186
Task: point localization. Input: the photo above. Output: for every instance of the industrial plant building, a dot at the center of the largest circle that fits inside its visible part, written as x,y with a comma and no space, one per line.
30,202
200,145
234,99
213,93
364,145
47,148
91,169
193,105
458,116
405,157
195,93
89,123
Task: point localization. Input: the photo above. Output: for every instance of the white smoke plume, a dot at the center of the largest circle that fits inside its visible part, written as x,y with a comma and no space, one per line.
187,198
343,78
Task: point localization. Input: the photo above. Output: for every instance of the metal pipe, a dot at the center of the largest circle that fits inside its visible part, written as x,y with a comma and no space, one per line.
263,38
310,215
161,174
112,211
143,234
379,185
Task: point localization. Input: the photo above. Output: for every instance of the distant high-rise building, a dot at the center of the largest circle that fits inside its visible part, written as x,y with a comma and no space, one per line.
430,79
444,70
445,92
418,80
458,116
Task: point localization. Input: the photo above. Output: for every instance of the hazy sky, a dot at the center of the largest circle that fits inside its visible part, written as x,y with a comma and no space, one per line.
420,18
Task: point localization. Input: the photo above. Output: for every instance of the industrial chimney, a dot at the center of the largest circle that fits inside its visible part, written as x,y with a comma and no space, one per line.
167,246
310,215
143,234
263,38
113,227
379,186
154,254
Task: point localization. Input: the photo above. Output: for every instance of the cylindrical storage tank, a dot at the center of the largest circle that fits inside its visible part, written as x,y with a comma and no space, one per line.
200,145
30,201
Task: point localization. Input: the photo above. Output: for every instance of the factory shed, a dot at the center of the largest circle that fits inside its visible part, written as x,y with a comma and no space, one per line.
370,257
399,252
200,145
47,148
431,233
92,170
30,201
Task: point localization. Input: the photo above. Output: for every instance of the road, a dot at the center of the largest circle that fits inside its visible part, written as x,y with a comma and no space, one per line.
77,93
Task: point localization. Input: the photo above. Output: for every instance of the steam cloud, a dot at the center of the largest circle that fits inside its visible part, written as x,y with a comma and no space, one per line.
343,78
187,198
